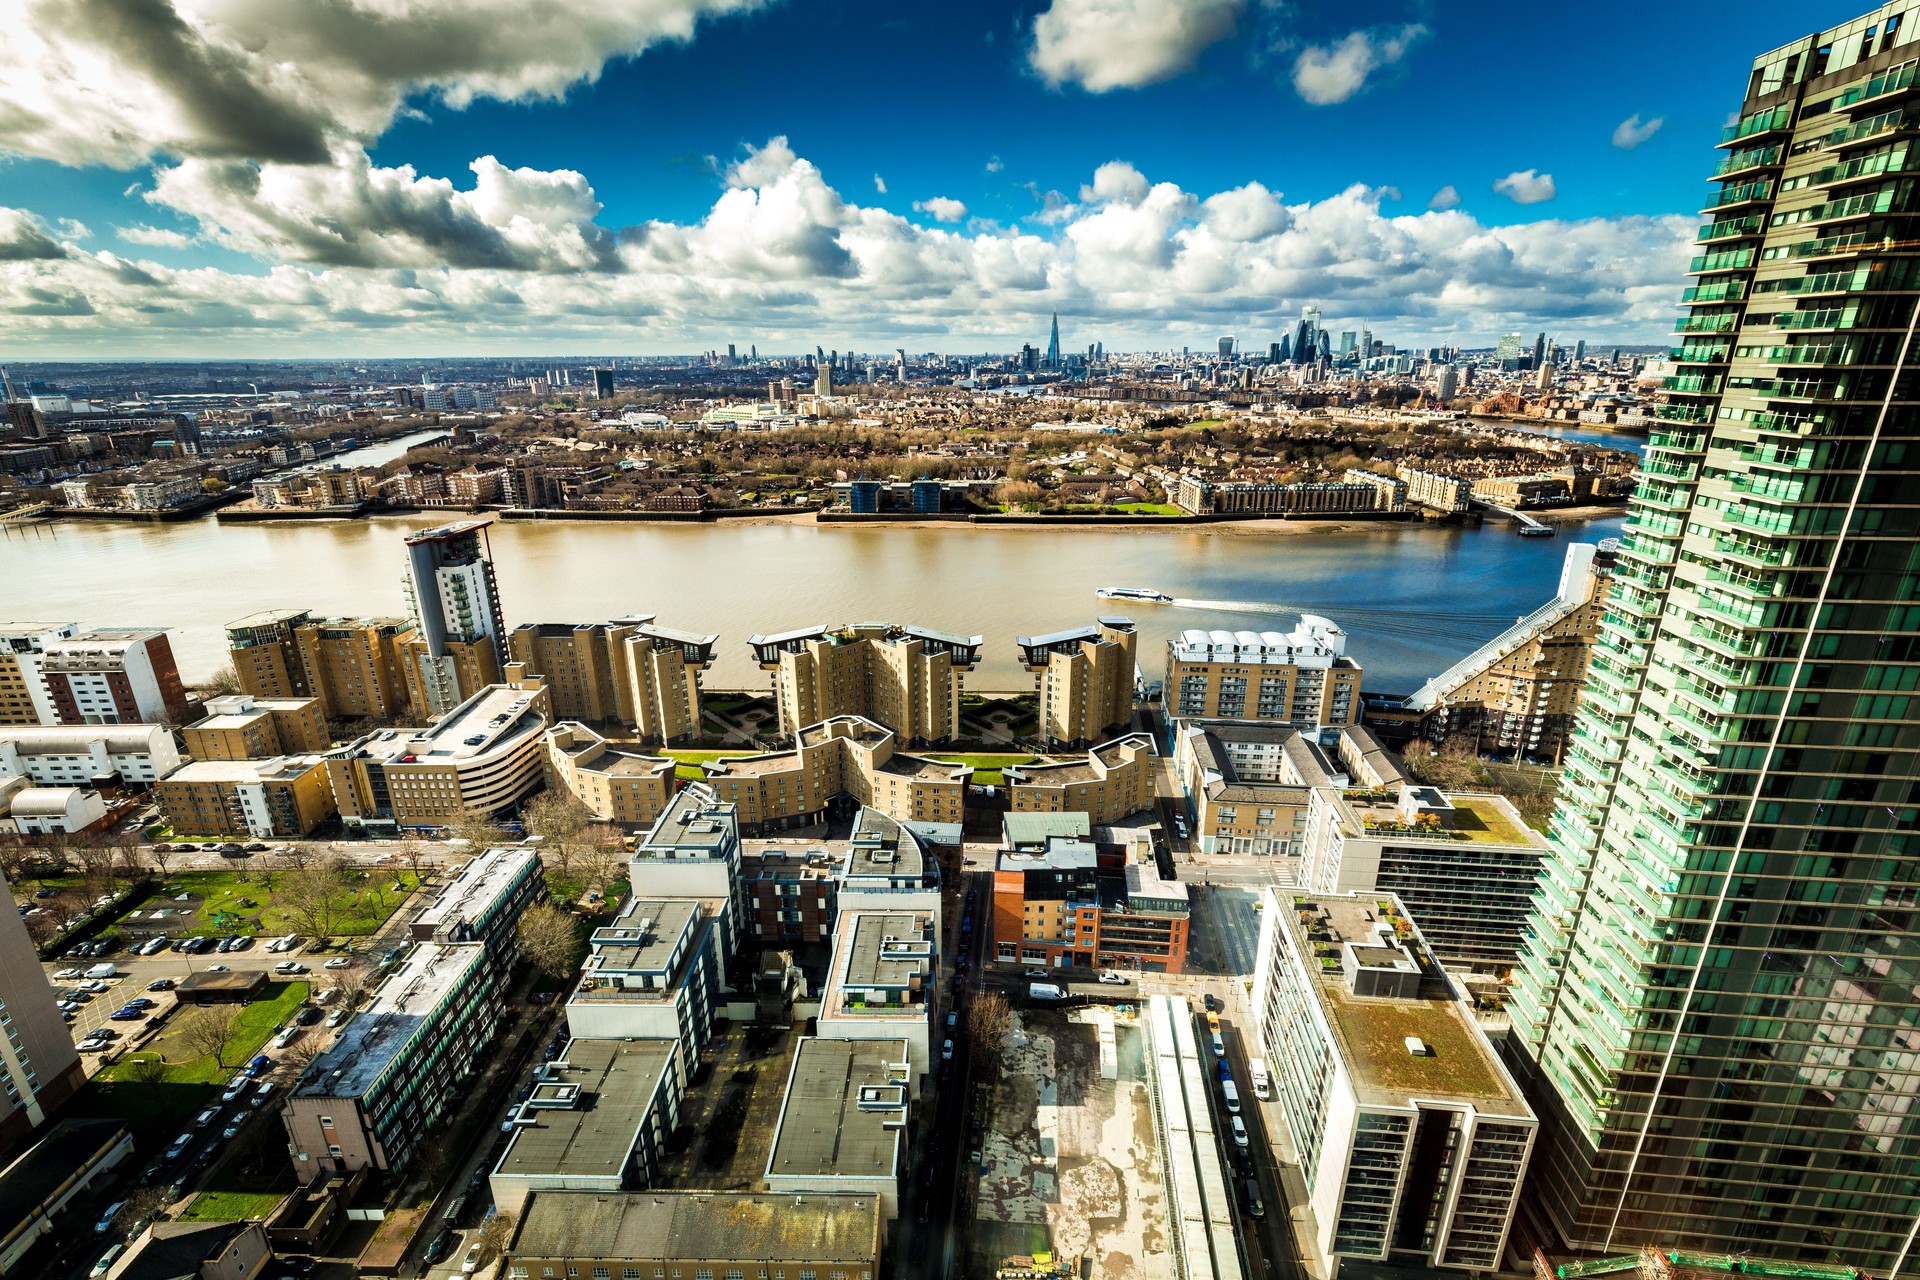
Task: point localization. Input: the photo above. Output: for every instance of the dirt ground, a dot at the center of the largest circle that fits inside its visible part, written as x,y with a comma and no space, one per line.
1072,1162
745,1169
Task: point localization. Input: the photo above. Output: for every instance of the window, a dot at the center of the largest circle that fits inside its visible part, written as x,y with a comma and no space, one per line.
602,1273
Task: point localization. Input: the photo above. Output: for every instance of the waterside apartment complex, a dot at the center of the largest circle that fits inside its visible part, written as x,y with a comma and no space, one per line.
907,678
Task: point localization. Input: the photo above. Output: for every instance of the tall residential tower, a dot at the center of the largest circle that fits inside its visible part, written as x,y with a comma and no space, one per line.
1718,1008
456,605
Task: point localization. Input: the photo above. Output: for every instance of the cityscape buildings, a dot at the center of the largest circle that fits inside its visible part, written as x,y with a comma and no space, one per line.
1715,1004
1085,677
629,670
460,631
908,678
1301,678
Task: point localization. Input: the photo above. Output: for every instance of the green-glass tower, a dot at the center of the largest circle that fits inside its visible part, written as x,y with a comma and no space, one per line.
1718,1008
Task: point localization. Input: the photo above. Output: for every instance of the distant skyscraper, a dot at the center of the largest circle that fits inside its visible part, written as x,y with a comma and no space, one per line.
1580,351
1305,343
1506,351
1284,347
1226,348
1273,353
1347,341
1366,343
602,383
1053,344
1539,350
1446,381
456,609
1717,1011
1326,345
823,379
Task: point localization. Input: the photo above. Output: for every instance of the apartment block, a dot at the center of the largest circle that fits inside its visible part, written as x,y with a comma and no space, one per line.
114,675
1060,906
693,851
479,760
399,1066
1515,695
616,786
39,1067
842,1128
357,667
628,670
654,973
1247,785
484,901
284,796
597,1120
1301,678
1085,678
697,1233
792,895
1413,1139
1464,864
1115,780
907,678
45,811
848,756
266,656
882,983
99,756
460,637
243,727
24,696
1435,491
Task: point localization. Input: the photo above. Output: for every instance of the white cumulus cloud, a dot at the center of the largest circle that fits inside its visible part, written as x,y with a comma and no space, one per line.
1526,186
117,81
365,257
879,184
1102,45
1447,197
1633,131
1325,74
153,237
942,209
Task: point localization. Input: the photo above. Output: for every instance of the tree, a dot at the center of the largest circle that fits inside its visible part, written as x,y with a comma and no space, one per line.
314,898
989,1019
550,939
1016,493
209,1033
493,1235
160,857
562,823
302,1053
222,683
1452,766
480,831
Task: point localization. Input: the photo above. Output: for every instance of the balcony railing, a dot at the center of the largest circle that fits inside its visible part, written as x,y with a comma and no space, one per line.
1730,229
1750,158
1721,260
1886,82
1759,122
1718,291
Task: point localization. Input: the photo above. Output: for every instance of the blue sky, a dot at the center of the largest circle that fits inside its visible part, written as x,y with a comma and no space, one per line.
242,177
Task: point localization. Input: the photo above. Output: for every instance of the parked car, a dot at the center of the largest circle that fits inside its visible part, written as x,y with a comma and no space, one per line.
946,1050
290,966
179,1147
308,1016
339,962
206,1117
1239,1128
106,1262
326,996
286,1037
69,973
437,1247
1036,973
261,1063
161,984
337,1017
1118,980
127,1015
1254,1205
219,968
95,985
108,1214
235,1088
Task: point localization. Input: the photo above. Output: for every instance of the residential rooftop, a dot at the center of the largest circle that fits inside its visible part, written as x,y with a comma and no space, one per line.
845,1110
1458,1064
1428,815
695,824
271,769
587,1109
1314,642
476,886
1035,829
645,937
667,1226
373,1040
497,717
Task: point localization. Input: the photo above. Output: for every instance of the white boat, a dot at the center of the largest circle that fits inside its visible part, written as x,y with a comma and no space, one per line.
1147,594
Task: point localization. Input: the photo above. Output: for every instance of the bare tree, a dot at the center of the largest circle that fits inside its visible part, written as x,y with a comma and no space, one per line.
303,1052
148,1068
480,832
415,853
989,1019
550,939
160,857
208,1033
491,1240
314,898
1452,766
223,682
563,825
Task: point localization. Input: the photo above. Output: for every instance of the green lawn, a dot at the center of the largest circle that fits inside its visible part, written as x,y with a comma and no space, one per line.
688,762
254,1027
987,766
1151,509
232,899
231,1206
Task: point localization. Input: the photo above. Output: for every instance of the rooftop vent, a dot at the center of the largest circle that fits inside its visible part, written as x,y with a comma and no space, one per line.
1416,1047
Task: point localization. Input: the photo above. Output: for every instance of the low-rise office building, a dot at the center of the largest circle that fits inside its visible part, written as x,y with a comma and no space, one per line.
843,1120
1413,1138
100,756
626,787
400,1065
1115,780
196,1250
1086,678
628,670
654,973
882,983
287,796
243,727
1465,864
907,678
1302,678
698,1233
1057,906
597,1119
479,760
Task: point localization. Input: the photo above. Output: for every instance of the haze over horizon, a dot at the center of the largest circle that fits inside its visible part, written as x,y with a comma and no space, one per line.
209,179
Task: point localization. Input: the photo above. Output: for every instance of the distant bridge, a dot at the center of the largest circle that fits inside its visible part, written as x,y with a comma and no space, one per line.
1529,527
26,513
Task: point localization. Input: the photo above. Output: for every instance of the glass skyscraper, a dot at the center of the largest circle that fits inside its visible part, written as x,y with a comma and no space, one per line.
1718,1007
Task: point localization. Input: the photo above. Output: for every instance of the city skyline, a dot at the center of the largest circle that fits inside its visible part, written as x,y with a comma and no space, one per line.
295,194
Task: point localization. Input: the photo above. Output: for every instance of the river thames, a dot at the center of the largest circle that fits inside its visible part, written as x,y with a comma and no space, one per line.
1412,598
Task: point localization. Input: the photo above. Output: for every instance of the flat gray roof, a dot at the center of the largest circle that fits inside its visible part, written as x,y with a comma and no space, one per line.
695,823
888,949
617,1081
844,1112
378,1034
474,889
699,1226
644,937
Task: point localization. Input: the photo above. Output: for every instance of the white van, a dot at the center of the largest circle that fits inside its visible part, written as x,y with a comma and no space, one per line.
1219,1046
1262,1088
103,971
1232,1093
